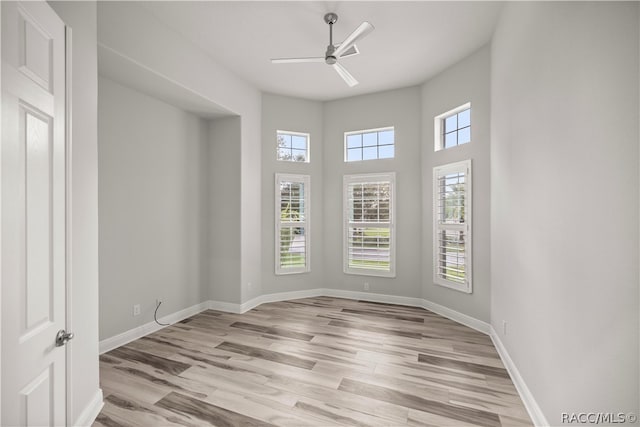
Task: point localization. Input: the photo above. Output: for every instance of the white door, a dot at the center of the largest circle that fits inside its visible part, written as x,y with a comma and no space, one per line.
33,215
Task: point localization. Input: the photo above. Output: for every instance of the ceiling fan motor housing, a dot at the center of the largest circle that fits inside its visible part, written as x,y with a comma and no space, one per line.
329,57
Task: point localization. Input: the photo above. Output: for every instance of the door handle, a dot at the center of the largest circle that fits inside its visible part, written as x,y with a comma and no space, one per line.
62,337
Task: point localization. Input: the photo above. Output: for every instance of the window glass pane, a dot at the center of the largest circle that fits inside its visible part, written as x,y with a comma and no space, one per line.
292,247
386,137
450,140
451,199
464,118
369,153
454,128
354,141
386,152
299,155
354,154
370,144
284,140
451,123
284,154
451,256
370,139
384,213
293,148
299,142
464,135
369,248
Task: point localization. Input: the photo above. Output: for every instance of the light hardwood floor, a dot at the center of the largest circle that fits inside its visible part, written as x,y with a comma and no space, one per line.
310,362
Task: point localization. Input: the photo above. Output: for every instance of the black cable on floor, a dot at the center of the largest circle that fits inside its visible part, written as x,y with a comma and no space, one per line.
155,315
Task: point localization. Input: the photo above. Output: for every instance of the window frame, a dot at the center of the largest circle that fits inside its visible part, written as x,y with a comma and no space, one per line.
294,133
369,178
306,224
362,132
457,167
438,127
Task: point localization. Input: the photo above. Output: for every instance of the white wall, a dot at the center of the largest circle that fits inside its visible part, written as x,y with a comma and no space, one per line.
153,192
564,205
298,115
400,108
466,81
83,277
129,30
225,203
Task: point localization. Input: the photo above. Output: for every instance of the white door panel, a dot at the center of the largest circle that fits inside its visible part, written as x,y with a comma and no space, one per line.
33,214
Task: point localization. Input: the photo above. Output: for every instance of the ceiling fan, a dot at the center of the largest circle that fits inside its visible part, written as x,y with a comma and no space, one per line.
338,51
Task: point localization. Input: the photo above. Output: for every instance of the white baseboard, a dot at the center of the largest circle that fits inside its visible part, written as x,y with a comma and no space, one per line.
373,297
91,411
456,316
143,330
227,307
280,296
536,414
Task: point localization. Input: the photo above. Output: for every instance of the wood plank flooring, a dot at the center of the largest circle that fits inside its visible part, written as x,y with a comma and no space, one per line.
310,362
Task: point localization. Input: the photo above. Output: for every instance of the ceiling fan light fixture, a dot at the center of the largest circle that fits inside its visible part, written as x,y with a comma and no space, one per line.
334,52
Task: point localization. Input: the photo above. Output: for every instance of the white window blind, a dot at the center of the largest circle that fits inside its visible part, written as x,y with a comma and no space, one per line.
452,225
369,237
292,223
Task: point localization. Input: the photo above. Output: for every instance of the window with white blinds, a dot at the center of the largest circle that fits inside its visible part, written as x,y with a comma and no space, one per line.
292,223
369,235
452,225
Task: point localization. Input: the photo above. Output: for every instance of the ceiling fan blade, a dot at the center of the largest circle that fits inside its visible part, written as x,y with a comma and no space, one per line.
296,60
346,76
364,29
352,51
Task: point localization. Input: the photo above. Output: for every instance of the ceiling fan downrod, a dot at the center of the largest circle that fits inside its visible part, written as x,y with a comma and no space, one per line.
329,57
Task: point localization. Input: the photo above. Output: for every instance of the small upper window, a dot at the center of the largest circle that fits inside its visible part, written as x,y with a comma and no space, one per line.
369,144
293,146
453,128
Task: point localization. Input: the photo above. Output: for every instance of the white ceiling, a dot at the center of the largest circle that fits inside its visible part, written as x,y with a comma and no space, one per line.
412,41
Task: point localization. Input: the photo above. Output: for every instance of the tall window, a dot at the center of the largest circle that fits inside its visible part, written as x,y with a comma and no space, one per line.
453,128
292,223
452,225
369,235
369,144
292,146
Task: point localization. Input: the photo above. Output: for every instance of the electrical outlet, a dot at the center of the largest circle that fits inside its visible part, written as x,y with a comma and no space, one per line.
366,286
136,310
504,327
